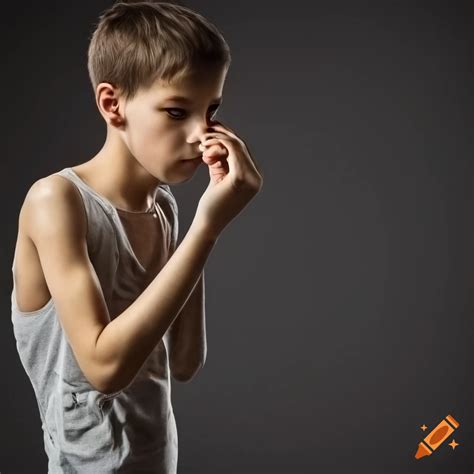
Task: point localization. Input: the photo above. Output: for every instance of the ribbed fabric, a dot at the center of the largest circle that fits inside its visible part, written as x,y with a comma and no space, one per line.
86,431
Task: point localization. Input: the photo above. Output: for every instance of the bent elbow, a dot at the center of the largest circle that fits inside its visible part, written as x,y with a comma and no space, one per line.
103,386
185,376
105,380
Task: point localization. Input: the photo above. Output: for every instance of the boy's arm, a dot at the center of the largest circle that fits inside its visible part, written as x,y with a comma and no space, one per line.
186,337
110,353
127,341
53,218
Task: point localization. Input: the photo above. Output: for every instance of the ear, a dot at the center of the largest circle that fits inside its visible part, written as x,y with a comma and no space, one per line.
109,104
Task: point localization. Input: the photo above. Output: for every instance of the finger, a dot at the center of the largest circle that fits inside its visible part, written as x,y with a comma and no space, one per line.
215,134
216,137
236,165
221,140
208,142
210,160
224,132
214,147
223,128
218,127
210,139
216,152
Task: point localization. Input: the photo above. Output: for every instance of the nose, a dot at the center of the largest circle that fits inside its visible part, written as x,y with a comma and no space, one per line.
200,130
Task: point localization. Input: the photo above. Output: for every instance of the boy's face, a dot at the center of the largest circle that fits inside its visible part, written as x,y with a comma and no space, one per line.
161,132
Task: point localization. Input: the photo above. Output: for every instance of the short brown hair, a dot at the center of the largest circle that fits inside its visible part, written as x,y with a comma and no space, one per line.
135,43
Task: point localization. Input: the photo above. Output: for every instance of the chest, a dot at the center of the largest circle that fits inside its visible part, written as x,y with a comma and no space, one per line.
145,235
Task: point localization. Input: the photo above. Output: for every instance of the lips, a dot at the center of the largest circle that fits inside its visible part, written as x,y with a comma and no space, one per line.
195,158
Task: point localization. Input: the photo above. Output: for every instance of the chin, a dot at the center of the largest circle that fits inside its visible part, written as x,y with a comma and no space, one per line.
178,178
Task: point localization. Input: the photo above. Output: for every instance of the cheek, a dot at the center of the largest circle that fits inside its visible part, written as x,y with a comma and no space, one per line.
153,137
145,133
171,139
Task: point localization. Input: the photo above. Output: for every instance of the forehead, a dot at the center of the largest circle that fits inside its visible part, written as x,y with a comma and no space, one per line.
202,85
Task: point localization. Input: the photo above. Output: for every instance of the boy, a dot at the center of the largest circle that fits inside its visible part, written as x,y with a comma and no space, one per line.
104,303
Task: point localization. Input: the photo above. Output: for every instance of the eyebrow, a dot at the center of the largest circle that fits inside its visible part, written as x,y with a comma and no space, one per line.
186,100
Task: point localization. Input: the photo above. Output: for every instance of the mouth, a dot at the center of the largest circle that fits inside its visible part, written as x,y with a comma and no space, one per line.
199,157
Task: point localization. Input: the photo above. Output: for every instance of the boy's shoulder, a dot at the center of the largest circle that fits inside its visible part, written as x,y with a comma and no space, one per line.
51,189
51,217
58,196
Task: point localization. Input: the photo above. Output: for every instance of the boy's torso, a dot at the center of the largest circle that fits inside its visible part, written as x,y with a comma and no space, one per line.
32,291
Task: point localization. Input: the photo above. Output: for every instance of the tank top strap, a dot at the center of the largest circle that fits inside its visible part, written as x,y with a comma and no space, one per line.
87,191
108,205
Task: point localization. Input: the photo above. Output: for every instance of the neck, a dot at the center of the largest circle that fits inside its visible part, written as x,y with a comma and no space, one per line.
120,177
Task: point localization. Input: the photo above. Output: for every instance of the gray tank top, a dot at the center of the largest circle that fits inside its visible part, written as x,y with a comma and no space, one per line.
87,431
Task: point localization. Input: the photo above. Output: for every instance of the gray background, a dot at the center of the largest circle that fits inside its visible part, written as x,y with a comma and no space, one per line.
339,303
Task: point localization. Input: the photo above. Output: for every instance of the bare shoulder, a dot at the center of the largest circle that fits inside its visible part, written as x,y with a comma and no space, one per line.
51,203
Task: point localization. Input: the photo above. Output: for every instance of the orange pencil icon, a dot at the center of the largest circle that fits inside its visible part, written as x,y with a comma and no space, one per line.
436,437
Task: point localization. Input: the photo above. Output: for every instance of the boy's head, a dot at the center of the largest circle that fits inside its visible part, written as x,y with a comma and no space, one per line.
141,54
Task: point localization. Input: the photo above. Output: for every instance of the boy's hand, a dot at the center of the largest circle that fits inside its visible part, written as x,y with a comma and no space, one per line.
234,178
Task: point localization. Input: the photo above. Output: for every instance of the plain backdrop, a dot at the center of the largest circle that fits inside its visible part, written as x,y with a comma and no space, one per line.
339,303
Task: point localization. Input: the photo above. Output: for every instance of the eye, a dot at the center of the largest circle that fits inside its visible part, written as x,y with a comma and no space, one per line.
174,116
212,111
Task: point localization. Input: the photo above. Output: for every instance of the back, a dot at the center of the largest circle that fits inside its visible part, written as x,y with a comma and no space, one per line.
93,275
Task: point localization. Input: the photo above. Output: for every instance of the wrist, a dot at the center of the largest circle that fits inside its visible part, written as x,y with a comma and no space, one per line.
203,231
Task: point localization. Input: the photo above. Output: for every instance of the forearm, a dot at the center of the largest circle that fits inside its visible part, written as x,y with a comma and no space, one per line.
127,341
187,335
